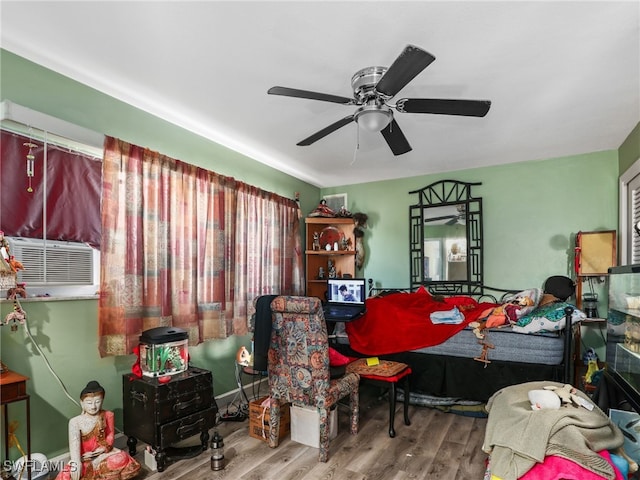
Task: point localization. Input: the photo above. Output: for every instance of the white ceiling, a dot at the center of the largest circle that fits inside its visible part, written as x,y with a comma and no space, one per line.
563,77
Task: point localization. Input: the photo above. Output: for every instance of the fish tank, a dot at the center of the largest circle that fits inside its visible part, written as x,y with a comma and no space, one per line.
164,351
623,330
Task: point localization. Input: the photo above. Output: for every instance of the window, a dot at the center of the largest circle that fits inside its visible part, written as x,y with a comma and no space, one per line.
53,223
630,215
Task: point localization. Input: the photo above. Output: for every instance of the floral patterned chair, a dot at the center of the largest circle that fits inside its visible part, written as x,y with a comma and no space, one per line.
298,366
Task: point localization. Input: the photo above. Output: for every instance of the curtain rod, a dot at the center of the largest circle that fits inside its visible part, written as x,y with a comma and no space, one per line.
39,126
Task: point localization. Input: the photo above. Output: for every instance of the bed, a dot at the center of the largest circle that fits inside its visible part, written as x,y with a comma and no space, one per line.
454,358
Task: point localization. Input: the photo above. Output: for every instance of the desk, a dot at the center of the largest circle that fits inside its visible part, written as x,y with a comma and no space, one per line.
13,388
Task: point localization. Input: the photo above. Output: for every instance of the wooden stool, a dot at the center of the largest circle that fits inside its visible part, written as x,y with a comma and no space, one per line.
386,374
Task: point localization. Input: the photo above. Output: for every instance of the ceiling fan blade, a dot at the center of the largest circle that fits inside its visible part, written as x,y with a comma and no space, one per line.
453,221
469,108
326,131
437,219
409,63
324,97
395,138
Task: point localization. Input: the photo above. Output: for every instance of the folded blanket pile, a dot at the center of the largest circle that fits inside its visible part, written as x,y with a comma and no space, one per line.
518,437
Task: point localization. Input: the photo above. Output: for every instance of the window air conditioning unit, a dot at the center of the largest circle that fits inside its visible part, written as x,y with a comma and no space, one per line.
52,262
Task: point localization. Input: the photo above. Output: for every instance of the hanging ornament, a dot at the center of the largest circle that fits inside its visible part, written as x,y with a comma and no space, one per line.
30,163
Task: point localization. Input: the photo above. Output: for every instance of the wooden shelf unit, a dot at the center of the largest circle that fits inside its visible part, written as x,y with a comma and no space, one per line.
344,260
595,252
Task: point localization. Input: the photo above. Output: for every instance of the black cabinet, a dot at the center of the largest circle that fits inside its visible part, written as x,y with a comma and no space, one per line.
162,414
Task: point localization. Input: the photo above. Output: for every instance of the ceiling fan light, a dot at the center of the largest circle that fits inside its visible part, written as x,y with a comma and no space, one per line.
375,119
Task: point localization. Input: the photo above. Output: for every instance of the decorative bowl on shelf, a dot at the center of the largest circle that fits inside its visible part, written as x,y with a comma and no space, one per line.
329,236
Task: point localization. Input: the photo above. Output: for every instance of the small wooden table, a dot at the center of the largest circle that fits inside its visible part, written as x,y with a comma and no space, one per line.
13,388
386,374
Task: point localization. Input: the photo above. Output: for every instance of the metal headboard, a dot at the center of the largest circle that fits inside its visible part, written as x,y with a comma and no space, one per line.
484,294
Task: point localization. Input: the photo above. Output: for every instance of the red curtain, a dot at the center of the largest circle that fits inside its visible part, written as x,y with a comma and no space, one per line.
72,190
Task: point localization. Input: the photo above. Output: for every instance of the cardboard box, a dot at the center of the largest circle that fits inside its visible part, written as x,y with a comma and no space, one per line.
305,425
259,420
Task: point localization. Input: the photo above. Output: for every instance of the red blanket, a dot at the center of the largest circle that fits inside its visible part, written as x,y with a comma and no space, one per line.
400,322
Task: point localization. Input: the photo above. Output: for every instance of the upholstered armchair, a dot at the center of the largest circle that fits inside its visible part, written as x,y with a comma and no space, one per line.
298,366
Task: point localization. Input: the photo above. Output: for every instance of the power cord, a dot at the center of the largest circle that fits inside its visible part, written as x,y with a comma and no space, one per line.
19,316
242,409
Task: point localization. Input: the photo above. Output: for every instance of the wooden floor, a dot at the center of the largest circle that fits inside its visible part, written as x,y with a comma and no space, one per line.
436,445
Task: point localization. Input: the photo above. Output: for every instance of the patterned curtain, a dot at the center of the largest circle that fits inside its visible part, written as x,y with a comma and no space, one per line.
188,248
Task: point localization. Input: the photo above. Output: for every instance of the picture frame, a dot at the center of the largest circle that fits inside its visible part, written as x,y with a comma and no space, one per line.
336,202
597,252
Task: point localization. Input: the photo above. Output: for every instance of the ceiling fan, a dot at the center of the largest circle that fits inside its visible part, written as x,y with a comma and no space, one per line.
373,87
460,217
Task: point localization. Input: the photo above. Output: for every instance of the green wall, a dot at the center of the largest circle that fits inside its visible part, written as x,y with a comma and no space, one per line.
531,211
67,330
67,333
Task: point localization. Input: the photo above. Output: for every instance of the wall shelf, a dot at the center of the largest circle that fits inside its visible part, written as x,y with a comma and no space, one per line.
344,260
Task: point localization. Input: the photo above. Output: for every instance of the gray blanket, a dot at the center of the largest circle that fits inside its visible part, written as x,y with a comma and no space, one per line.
517,437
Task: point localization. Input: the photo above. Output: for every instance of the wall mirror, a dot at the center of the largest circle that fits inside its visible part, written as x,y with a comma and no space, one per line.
445,238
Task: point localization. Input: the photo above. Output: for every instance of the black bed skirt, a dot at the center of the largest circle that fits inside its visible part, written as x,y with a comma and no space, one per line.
466,378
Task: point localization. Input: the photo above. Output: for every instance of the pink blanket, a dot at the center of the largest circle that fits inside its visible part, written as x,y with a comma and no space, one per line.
401,321
558,468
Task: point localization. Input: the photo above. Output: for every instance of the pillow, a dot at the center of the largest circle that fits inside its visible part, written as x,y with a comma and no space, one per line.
548,318
337,364
560,287
336,359
512,308
523,303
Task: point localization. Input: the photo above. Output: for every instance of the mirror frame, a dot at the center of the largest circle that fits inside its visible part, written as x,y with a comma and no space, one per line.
442,193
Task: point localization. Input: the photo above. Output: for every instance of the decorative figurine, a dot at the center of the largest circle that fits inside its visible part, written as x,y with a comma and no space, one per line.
15,265
484,355
243,357
320,273
322,210
343,212
91,437
358,232
332,270
316,241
